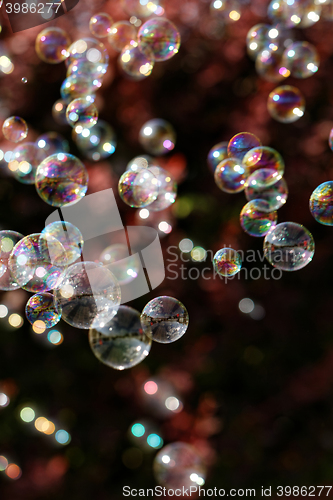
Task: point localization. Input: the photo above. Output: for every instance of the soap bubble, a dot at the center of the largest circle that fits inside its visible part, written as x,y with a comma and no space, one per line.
321,203
216,154
267,184
100,24
37,263
167,189
89,295
301,59
88,49
257,219
140,162
96,143
75,86
269,66
301,13
257,39
51,143
8,240
229,10
61,179
42,311
52,45
69,236
86,70
230,175
134,63
143,8
121,343
138,189
24,162
159,39
59,111
241,143
82,113
286,104
164,319
15,129
179,465
122,34
125,267
263,157
157,137
289,246
145,435
227,262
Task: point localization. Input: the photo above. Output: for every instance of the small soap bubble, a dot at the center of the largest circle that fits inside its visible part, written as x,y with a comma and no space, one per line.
286,104
164,319
100,25
257,39
59,111
263,157
52,45
124,266
241,143
24,162
8,240
97,142
41,307
157,137
167,189
61,179
159,39
230,175
134,63
122,34
301,59
121,343
24,80
227,262
289,246
229,10
216,154
69,236
82,113
321,203
138,189
15,129
257,219
267,184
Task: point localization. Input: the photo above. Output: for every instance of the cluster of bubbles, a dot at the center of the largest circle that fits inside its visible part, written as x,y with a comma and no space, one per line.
245,164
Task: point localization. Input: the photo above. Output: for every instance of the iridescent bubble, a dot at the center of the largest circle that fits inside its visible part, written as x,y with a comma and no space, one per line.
100,24
143,8
138,189
179,465
121,343
97,142
321,203
159,39
256,39
157,137
15,129
263,157
8,240
24,162
61,179
230,175
134,63
52,45
216,154
241,143
257,219
269,66
125,267
167,189
83,69
89,295
275,11
76,86
330,139
301,59
227,262
229,10
267,184
289,246
88,49
37,263
82,113
51,143
69,236
301,13
164,319
59,111
41,307
122,34
286,104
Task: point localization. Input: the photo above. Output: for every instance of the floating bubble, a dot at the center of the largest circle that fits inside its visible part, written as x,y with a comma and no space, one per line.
157,137
159,39
140,162
41,308
121,343
82,113
134,63
8,240
143,8
122,34
216,154
241,143
51,143
24,162
59,111
88,49
37,263
269,66
164,319
301,13
229,10
275,11
263,157
15,129
89,295
86,70
179,465
145,435
75,86
301,59
257,219
227,262
289,246
230,175
267,184
24,80
257,39
61,179
96,143
286,104
52,45
321,203
167,189
138,189
125,267
69,236
100,24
